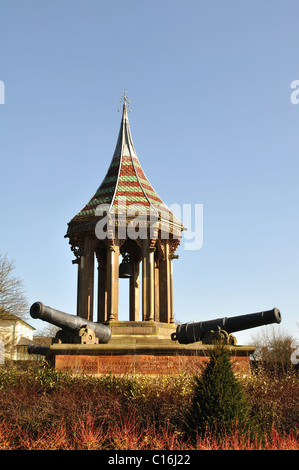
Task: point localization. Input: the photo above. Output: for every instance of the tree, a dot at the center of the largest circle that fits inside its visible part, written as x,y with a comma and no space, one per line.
12,291
218,401
48,330
273,347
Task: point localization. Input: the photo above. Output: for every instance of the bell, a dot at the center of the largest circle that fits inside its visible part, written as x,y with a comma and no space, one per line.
125,270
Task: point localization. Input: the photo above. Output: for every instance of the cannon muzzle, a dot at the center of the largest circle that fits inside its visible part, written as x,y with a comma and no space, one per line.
69,323
221,328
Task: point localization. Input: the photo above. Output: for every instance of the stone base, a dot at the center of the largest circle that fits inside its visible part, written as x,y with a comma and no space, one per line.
140,348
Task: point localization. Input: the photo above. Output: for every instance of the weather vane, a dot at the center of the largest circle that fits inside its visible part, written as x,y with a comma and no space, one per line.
125,99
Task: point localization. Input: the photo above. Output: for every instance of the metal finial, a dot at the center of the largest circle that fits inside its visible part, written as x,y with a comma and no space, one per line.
125,95
125,99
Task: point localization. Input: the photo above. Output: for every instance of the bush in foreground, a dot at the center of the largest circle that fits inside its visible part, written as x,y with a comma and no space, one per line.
218,401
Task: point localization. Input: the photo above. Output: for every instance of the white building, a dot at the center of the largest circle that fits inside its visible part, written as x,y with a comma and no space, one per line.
15,336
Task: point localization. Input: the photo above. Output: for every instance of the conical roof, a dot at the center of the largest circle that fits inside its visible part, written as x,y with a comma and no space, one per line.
125,184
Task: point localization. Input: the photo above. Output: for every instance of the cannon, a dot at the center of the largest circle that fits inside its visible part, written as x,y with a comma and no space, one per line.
36,349
220,329
74,329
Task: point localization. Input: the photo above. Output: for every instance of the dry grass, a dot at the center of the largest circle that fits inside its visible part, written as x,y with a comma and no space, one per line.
41,409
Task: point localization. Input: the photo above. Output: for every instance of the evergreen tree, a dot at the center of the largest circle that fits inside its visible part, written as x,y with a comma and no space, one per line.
218,401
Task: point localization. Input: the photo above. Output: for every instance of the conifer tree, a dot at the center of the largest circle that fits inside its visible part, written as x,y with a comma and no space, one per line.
218,401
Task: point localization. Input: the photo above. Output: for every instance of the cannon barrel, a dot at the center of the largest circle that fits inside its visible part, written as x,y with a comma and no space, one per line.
69,322
192,332
36,349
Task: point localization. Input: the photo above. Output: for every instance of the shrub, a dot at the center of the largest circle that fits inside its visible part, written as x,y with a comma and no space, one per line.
218,401
44,409
273,398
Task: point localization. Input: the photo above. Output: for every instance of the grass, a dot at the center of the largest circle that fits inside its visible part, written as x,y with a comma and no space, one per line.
42,409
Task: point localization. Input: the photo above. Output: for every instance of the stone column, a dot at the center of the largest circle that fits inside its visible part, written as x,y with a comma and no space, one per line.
148,294
135,293
102,285
157,290
165,286
85,281
112,281
171,289
80,283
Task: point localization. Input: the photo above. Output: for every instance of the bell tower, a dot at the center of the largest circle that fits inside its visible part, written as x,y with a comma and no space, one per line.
125,231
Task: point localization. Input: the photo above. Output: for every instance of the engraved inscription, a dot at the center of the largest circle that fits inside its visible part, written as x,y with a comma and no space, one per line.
137,364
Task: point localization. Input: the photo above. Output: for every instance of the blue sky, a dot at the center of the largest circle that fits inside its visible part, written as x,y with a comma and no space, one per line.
212,123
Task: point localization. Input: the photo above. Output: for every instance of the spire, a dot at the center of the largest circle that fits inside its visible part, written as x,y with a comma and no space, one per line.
124,145
125,179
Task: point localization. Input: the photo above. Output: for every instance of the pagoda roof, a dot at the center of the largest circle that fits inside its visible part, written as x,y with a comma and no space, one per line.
125,185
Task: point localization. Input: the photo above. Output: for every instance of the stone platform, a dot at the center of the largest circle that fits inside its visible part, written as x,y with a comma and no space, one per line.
140,348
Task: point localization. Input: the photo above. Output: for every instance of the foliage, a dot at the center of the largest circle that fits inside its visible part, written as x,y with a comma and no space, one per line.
218,401
41,409
273,397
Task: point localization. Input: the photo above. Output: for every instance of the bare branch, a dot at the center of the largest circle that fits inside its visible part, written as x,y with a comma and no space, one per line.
12,291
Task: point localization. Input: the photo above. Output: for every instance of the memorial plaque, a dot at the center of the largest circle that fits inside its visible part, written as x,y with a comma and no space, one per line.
146,364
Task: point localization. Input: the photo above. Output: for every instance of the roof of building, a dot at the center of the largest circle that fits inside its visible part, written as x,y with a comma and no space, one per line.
125,184
24,341
8,316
